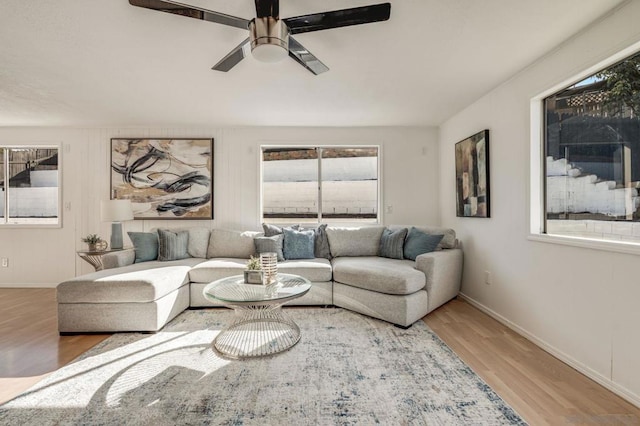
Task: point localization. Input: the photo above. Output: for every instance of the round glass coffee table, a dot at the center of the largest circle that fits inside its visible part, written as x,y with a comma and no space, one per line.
260,327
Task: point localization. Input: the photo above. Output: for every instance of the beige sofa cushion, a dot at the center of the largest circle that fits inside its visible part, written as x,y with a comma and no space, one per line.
233,244
363,241
215,269
315,270
140,283
390,276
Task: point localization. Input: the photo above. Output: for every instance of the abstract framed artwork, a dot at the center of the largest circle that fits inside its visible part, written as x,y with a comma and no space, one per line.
164,178
472,176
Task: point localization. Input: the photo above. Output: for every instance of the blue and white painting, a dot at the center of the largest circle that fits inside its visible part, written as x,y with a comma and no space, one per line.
164,178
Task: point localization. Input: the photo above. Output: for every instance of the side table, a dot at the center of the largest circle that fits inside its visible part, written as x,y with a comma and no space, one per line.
94,258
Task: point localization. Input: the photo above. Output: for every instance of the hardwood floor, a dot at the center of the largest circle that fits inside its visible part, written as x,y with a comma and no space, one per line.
542,389
30,347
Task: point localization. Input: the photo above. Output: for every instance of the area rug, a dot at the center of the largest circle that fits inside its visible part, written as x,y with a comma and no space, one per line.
347,369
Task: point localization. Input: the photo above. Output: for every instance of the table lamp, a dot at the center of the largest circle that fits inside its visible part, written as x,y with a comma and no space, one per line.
116,211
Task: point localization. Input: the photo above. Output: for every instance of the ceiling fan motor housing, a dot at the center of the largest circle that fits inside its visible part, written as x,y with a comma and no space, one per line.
269,39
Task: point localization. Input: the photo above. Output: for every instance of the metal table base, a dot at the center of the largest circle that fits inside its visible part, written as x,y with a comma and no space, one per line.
257,331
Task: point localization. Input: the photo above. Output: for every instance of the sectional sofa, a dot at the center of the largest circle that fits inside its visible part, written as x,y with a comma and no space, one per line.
346,269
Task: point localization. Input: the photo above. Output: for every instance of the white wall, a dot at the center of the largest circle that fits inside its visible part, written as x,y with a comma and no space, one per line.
45,257
582,304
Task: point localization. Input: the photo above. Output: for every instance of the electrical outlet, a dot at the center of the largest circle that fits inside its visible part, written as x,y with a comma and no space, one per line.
487,277
5,262
389,209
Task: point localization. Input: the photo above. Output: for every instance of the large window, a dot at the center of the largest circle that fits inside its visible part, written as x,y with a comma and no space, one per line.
29,185
592,155
320,184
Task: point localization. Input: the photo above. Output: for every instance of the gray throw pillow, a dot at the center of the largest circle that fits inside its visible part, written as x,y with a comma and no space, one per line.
392,243
271,230
321,245
272,244
298,244
172,245
418,242
145,245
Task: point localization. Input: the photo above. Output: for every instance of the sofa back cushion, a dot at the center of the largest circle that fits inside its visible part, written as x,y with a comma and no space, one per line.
227,243
363,241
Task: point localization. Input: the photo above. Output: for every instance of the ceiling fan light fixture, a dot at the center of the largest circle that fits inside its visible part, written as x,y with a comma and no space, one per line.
269,39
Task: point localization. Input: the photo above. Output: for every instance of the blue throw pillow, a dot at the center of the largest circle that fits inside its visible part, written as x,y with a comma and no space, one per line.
298,244
172,245
145,245
418,242
392,242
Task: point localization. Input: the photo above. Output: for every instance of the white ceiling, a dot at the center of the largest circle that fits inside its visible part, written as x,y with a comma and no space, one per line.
95,63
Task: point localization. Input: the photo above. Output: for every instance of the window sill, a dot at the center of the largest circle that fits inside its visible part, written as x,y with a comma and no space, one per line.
612,246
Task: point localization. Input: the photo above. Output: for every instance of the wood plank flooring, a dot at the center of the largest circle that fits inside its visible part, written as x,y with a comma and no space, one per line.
30,347
542,389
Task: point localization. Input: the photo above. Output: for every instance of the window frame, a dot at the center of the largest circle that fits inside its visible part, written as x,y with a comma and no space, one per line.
537,165
4,221
319,219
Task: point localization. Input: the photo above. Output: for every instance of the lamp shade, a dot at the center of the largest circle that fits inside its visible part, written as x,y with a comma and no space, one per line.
116,210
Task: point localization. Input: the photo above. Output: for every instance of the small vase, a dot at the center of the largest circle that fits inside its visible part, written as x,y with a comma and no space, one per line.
92,247
269,263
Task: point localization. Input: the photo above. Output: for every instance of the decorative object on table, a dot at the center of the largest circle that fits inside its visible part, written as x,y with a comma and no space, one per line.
269,263
164,178
116,211
254,273
472,176
95,243
397,377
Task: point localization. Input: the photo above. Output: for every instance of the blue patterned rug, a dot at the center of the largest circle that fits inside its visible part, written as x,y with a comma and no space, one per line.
348,369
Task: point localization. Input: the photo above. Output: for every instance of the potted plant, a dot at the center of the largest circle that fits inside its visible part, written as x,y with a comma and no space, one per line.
254,274
95,242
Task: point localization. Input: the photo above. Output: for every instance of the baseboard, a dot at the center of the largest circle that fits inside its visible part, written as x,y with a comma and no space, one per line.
29,285
567,359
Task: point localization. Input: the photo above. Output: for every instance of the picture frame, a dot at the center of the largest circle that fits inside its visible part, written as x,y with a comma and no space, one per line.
472,176
165,178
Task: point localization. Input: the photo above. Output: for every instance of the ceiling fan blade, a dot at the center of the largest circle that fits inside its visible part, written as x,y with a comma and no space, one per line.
266,8
233,57
305,58
339,18
176,8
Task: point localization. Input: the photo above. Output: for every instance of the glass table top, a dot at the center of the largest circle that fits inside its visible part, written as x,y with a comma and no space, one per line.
234,290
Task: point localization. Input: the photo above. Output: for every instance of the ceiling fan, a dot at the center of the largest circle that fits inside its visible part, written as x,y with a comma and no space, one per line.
269,36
